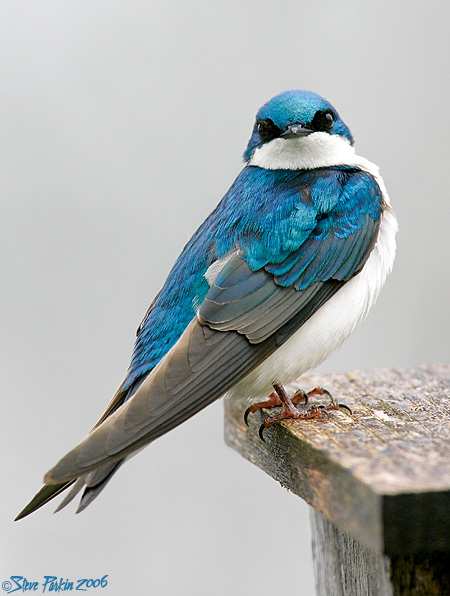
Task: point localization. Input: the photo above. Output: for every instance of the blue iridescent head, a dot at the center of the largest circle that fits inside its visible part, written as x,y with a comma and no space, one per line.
295,113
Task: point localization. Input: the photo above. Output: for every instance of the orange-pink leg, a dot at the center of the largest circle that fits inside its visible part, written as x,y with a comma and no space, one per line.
273,401
280,398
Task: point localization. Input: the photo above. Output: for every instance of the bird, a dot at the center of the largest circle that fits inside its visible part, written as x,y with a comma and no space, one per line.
275,279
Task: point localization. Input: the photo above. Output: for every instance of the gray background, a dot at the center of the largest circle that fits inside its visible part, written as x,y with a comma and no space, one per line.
122,125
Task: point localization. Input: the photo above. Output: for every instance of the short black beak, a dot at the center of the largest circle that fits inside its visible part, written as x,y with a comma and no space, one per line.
296,130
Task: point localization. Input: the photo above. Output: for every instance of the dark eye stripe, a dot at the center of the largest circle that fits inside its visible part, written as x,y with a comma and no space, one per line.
323,120
268,130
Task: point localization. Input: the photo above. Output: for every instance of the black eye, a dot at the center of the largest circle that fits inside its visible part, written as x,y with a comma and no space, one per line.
267,130
323,120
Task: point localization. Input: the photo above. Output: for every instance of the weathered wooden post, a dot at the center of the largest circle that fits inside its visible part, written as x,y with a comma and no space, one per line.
378,481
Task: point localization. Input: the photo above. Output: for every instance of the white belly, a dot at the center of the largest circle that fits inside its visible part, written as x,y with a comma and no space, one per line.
329,327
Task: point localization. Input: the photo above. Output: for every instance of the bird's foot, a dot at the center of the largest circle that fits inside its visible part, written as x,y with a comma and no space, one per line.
300,397
280,398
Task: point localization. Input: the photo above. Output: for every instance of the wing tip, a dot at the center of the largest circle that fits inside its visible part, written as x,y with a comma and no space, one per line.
46,494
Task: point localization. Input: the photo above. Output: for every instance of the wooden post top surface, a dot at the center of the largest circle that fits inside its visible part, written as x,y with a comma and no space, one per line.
383,474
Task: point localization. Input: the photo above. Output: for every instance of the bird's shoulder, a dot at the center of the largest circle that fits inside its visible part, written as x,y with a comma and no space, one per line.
300,207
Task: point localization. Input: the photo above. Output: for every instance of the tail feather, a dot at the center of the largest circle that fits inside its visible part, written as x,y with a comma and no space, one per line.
91,490
93,485
79,484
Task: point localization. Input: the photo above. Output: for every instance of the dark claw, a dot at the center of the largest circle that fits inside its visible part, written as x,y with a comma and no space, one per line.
246,413
325,411
343,406
260,432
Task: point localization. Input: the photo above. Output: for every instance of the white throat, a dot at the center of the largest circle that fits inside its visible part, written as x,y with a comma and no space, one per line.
317,150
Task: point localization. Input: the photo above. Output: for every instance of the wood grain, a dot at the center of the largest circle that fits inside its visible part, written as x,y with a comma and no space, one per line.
345,567
381,475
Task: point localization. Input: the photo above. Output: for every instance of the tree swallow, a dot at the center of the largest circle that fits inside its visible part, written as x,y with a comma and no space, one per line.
273,281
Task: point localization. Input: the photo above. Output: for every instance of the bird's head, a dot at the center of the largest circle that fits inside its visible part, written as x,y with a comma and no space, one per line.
295,122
